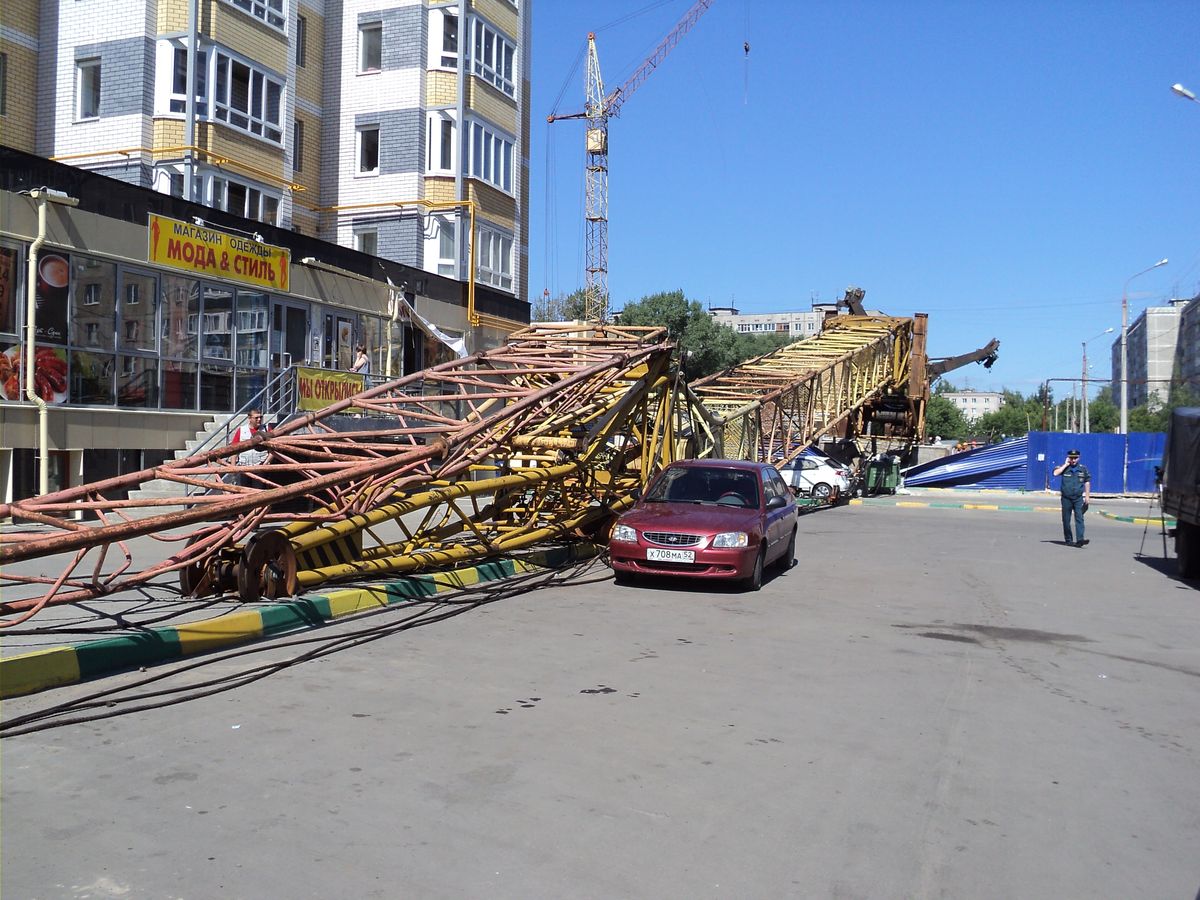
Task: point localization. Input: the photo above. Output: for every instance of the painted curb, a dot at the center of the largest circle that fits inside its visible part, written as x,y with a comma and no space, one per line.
1139,520
28,673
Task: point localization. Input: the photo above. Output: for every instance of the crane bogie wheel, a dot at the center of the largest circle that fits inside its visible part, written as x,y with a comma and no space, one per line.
194,578
267,568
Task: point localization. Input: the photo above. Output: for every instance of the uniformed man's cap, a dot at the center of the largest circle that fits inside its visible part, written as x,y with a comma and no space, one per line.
1072,453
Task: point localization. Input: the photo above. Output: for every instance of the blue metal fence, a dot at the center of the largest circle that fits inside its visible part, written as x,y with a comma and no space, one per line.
1027,463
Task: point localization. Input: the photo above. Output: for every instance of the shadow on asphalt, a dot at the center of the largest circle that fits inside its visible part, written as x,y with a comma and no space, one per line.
679,585
1169,568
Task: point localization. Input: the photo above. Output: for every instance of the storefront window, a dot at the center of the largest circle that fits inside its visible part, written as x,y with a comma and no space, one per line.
94,304
373,340
91,378
217,324
137,295
216,387
252,311
180,322
250,383
178,384
137,382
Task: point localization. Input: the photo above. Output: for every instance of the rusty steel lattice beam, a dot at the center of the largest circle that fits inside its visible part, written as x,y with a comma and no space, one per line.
543,438
772,407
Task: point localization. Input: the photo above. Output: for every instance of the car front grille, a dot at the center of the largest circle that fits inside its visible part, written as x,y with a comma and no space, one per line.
672,538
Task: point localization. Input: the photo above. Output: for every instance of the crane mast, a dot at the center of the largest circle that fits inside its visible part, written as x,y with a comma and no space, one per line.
598,110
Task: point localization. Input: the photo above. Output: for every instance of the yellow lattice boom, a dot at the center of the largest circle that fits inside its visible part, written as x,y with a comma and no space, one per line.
772,407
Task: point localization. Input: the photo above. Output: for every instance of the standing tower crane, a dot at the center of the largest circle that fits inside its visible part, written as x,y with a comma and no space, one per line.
599,109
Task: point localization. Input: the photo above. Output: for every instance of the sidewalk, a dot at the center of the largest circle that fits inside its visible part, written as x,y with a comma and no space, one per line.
68,663
1139,510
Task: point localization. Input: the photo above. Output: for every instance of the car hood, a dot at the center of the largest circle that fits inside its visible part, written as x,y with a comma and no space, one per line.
691,517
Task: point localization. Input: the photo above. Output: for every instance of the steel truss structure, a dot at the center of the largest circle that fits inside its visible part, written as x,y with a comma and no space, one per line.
860,368
544,438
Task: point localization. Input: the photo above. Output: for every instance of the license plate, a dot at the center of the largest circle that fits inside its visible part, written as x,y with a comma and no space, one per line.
657,554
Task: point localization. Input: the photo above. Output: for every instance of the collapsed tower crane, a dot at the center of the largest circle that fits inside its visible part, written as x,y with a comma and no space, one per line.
600,107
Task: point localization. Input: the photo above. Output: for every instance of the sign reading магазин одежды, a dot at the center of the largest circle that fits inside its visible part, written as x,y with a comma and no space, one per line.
207,251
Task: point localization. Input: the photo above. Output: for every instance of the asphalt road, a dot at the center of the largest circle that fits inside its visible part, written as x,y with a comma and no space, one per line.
935,703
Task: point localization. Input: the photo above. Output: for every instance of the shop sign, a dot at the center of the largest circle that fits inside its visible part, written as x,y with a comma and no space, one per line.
317,388
206,251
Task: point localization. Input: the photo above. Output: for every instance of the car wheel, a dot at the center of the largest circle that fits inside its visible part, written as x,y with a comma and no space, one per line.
821,491
788,559
754,582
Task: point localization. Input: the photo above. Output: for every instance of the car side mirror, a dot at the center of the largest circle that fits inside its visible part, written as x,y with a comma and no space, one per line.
637,493
776,502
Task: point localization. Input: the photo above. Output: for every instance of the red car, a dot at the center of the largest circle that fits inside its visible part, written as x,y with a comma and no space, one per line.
712,518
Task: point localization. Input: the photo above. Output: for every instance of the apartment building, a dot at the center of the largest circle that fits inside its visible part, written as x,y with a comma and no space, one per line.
795,324
1150,354
975,404
399,129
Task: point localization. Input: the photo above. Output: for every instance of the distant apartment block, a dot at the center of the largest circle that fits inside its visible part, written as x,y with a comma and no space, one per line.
1187,346
1150,353
382,126
975,404
793,324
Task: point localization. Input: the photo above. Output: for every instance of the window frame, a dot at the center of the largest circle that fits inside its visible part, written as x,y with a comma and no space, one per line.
493,56
297,145
491,156
438,142
494,257
301,42
3,84
359,132
258,100
364,29
272,13
82,69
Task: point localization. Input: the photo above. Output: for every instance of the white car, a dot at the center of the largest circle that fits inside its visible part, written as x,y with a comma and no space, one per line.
816,476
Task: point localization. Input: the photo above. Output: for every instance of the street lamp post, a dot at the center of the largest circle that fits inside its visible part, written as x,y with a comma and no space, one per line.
1125,344
1183,92
1087,425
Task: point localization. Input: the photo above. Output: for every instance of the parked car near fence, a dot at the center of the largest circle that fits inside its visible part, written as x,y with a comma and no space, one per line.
815,475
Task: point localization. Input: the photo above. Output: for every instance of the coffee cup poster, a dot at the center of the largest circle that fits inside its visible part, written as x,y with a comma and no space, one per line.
53,293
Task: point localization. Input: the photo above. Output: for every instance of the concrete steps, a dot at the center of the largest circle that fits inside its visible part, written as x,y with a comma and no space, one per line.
204,437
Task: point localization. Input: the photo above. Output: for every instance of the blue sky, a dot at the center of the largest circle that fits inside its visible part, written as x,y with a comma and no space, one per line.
1003,166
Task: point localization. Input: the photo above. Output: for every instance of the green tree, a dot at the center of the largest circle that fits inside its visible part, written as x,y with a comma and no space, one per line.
944,419
562,308
705,346
1103,414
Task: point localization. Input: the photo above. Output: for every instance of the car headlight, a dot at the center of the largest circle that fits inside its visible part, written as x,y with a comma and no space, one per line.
731,539
624,533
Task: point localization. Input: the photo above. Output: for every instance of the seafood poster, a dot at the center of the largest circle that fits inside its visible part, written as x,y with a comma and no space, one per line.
53,292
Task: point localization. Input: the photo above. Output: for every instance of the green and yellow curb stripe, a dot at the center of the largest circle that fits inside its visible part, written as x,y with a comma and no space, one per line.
28,673
1140,520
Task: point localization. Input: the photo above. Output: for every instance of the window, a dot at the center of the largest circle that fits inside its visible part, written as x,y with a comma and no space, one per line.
248,98
301,41
298,146
443,46
245,200
88,87
368,150
491,157
447,257
3,84
493,57
493,258
440,156
269,11
367,242
175,180
370,48
178,102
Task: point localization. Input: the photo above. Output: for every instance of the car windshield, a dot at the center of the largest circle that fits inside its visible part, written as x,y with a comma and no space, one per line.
697,484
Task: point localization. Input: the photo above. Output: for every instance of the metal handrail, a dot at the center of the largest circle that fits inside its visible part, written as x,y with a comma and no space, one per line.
277,401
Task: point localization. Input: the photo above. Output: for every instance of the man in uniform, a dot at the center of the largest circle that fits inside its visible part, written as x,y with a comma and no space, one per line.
1076,490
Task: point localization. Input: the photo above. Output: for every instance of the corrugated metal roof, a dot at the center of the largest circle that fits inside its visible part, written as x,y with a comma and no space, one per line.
996,466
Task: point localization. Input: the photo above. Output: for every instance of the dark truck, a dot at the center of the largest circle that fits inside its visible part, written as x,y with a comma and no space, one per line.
1181,487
